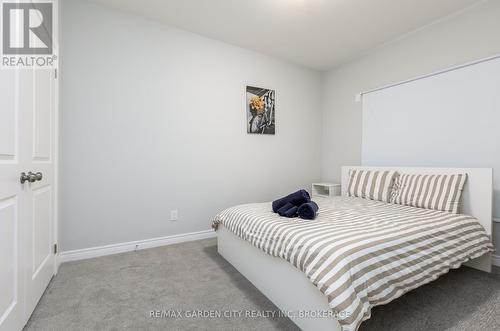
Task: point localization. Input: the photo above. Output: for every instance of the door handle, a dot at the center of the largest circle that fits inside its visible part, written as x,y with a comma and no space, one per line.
24,178
34,177
38,176
30,177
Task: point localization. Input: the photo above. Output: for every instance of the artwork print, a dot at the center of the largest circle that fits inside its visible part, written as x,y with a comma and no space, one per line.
260,110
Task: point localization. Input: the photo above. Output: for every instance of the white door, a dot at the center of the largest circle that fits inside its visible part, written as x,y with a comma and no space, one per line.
26,209
37,99
12,199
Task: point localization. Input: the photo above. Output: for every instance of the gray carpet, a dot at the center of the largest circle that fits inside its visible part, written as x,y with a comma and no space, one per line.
119,292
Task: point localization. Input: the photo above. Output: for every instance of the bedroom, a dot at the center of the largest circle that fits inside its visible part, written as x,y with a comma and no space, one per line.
153,118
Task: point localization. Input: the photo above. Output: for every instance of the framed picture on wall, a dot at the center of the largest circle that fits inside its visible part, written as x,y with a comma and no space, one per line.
261,110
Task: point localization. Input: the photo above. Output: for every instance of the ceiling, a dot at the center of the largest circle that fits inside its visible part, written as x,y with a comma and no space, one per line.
319,34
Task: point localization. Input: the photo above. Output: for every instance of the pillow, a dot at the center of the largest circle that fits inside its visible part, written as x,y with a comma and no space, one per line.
371,184
438,192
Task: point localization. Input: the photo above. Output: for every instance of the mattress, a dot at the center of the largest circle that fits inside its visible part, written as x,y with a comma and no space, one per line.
361,253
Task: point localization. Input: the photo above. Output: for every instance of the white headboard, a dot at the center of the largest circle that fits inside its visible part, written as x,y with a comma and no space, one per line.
477,196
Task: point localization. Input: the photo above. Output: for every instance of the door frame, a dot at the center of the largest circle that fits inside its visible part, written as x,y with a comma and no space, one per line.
56,44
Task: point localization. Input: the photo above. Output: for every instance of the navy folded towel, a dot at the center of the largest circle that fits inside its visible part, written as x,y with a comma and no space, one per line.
308,210
295,199
292,212
288,210
283,209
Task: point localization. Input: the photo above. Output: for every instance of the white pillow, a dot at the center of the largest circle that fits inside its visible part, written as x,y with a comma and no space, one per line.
371,184
438,192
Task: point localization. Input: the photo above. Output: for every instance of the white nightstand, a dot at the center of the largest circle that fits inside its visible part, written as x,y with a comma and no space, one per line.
325,190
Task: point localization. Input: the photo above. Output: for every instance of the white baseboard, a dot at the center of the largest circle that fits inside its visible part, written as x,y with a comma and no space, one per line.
88,253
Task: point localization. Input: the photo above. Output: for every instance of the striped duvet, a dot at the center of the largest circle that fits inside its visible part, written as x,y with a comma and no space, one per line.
362,253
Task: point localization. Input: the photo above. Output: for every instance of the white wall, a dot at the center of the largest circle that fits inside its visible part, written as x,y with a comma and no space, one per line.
470,35
153,119
151,116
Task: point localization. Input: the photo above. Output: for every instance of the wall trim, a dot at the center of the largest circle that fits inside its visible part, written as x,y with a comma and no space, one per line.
88,253
435,73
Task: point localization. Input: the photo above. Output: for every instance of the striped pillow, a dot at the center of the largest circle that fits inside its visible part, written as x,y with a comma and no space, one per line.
371,184
439,192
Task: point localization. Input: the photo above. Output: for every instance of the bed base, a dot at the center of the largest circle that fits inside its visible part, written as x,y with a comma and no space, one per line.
283,284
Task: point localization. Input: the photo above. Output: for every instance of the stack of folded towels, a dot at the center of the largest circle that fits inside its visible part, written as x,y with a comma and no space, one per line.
296,204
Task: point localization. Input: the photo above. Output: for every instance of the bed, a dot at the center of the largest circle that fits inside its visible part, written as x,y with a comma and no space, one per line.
327,274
